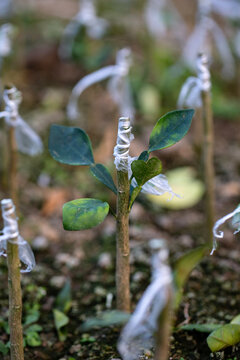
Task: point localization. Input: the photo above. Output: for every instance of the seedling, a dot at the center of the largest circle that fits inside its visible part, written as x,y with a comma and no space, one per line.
20,137
86,17
17,251
118,85
70,145
205,28
196,91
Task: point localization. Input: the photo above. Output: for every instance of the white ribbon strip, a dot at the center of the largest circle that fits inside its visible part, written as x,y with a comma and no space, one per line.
227,8
198,41
28,142
218,234
10,233
6,32
95,27
118,85
138,334
190,94
155,17
121,150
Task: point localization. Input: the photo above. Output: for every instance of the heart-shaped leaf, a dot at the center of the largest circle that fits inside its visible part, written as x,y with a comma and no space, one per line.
236,320
103,175
84,214
170,128
226,335
70,145
144,171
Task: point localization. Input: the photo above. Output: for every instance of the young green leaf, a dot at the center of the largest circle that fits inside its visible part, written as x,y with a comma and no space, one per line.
106,318
60,320
33,339
64,298
183,267
84,214
144,156
102,174
206,328
236,320
170,129
70,145
226,335
144,171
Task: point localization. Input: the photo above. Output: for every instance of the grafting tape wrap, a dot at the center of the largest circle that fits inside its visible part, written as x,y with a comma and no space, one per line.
28,142
138,334
118,85
11,234
121,150
190,94
6,31
87,17
218,234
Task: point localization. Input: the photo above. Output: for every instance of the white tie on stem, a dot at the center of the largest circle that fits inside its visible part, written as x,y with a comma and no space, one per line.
95,27
10,233
199,40
218,234
190,94
118,85
28,142
121,150
138,334
155,18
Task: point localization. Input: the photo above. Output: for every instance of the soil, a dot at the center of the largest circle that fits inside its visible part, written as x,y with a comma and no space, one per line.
87,258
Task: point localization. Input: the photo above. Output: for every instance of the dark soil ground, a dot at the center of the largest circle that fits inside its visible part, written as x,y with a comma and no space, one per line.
212,293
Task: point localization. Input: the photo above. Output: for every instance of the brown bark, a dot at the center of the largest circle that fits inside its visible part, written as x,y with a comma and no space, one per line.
123,250
208,164
15,299
164,330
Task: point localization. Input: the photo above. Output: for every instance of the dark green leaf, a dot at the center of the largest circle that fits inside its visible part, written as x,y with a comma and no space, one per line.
206,328
107,318
32,316
144,171
70,145
170,129
135,192
84,214
144,156
226,335
183,267
64,298
103,175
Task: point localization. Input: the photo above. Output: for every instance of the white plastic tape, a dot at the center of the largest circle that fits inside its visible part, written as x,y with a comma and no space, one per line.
28,142
121,150
95,27
190,94
11,234
218,234
138,334
118,85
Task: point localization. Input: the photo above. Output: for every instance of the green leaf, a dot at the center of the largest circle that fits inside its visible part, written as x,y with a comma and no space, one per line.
64,298
206,328
135,192
236,320
33,315
102,174
144,156
107,318
144,171
33,339
33,328
226,335
84,214
183,267
170,129
3,348
70,145
60,320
